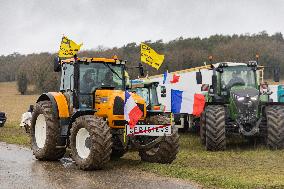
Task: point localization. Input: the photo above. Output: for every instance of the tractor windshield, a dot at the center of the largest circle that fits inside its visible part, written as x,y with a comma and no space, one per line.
144,93
100,75
238,75
148,94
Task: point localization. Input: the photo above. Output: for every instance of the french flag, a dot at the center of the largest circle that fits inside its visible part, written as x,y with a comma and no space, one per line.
181,102
169,78
132,113
166,77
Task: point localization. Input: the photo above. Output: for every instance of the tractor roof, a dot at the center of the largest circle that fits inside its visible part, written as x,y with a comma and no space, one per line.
94,60
229,64
143,83
232,64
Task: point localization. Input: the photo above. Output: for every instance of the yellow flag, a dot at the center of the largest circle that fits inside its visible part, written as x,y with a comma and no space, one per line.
149,56
68,48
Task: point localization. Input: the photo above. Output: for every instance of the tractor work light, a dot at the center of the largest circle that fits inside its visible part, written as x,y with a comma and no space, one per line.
223,64
120,61
252,63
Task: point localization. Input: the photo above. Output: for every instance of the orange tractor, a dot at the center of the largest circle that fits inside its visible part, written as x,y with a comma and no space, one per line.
87,116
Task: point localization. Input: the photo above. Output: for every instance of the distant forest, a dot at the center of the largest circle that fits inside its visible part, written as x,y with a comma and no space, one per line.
181,53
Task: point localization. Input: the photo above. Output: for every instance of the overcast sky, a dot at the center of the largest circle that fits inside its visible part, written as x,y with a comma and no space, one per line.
28,26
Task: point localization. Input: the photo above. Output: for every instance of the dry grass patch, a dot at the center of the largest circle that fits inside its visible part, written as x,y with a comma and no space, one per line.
12,103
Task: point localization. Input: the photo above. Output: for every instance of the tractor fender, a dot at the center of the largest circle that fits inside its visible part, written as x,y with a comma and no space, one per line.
59,104
81,113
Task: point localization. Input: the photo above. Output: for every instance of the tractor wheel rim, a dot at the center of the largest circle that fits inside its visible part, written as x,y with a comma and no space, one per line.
82,143
40,131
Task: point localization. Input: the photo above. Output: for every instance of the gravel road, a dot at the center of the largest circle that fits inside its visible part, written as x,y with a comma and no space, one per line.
19,169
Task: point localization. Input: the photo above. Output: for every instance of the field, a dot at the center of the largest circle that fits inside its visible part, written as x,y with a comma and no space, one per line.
14,104
241,166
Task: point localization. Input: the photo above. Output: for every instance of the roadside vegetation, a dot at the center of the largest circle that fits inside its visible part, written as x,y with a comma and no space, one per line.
181,53
242,165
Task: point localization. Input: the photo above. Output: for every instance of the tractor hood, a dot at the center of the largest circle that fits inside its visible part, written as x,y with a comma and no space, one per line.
245,102
244,92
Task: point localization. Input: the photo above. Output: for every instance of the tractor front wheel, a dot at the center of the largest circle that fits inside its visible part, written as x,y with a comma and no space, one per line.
275,127
45,132
215,128
90,142
165,151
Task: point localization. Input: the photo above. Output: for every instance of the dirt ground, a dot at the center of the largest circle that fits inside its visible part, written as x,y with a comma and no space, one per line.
19,169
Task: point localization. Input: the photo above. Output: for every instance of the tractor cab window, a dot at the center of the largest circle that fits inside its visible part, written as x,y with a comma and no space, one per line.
100,75
67,77
153,96
144,93
237,75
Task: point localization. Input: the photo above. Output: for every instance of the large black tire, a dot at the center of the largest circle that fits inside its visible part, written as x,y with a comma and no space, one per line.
98,142
118,150
275,127
202,128
215,128
165,151
47,150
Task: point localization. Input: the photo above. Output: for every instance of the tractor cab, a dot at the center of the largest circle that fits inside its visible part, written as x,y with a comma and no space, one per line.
83,77
148,91
235,77
96,85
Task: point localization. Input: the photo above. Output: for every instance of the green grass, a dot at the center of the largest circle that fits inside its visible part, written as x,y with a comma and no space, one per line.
12,133
241,166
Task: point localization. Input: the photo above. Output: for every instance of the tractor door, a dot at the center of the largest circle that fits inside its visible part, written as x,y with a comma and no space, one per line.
67,84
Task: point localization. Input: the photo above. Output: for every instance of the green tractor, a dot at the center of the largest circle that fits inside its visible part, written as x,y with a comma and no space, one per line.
237,104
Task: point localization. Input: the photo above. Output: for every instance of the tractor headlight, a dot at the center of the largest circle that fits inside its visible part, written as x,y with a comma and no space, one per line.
254,98
240,98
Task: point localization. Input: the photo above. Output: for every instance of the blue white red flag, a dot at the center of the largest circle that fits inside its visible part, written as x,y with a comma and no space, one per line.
166,77
132,113
193,104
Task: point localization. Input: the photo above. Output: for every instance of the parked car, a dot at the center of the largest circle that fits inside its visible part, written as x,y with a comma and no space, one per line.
3,119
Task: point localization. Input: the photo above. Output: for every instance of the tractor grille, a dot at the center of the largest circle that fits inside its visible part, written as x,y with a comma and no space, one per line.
119,122
118,108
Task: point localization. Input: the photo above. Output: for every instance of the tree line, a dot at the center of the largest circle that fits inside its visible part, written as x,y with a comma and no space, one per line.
181,53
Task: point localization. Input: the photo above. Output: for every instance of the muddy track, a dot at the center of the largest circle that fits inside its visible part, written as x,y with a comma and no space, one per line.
19,169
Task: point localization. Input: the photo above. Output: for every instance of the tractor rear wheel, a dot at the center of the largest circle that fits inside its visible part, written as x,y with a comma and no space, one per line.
45,132
275,127
215,128
90,142
165,151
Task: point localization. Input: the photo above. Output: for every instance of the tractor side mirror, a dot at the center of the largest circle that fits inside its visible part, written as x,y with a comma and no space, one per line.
199,77
56,64
276,73
141,70
163,91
